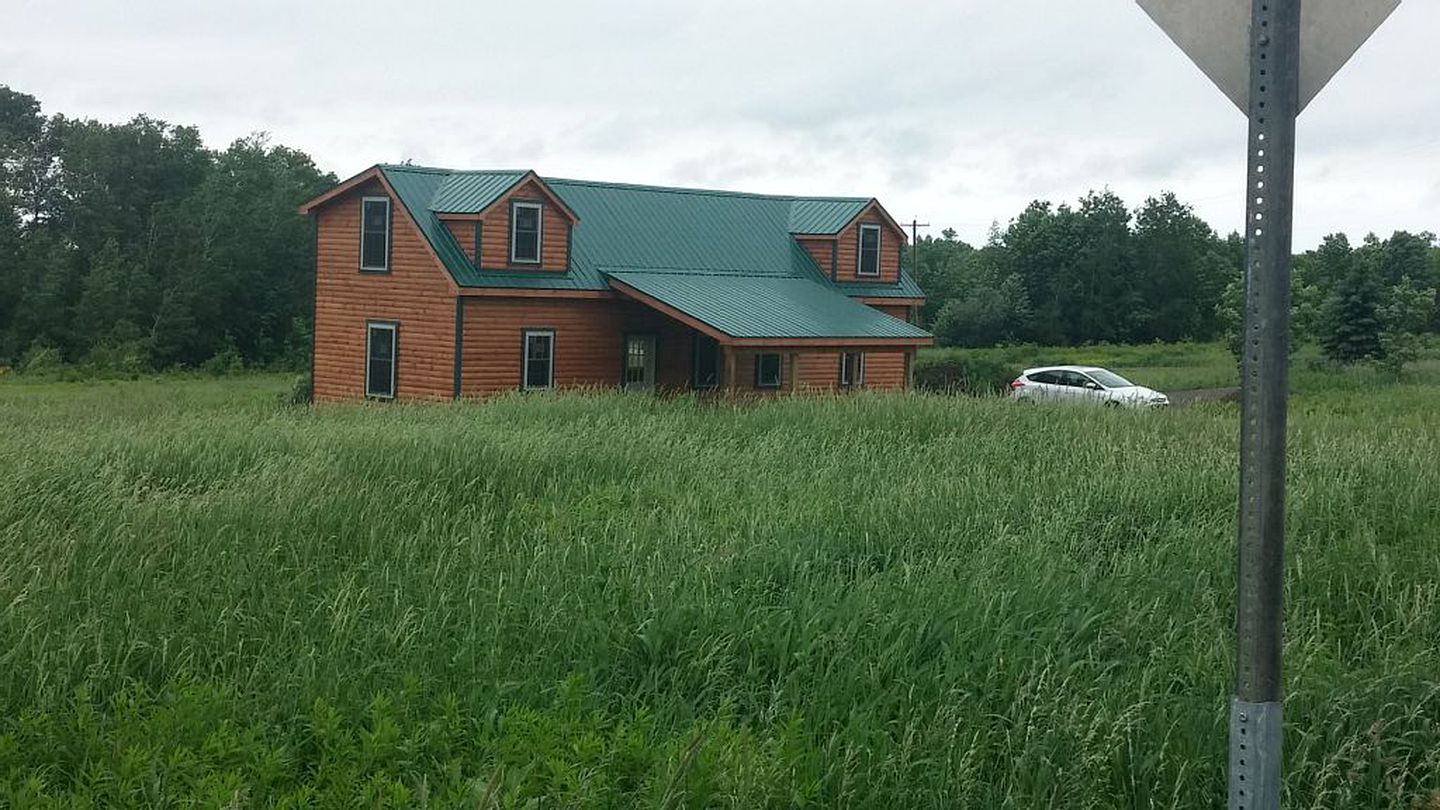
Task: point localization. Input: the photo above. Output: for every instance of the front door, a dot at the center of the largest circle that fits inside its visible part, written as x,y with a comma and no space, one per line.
639,363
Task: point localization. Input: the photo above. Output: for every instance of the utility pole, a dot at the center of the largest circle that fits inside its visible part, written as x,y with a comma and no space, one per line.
915,225
1286,55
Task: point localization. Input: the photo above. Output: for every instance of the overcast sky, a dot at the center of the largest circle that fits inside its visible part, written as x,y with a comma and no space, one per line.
958,112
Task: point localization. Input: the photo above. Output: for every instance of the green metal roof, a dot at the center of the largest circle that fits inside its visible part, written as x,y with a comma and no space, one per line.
645,229
768,307
824,216
416,187
907,288
472,192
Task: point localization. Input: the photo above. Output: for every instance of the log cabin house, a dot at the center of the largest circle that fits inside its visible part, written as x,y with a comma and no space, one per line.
438,284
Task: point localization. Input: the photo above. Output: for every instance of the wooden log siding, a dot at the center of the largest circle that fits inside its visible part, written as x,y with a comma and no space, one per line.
885,371
416,294
464,233
895,311
819,372
821,249
554,233
891,241
589,342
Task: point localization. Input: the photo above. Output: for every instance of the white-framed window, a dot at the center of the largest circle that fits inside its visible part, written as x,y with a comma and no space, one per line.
375,234
526,219
381,356
537,371
869,251
769,370
852,370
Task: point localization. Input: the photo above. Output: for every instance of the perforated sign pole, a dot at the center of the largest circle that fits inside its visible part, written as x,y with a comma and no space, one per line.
1290,53
1255,712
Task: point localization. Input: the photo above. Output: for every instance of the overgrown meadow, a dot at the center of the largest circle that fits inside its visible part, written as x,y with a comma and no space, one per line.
210,599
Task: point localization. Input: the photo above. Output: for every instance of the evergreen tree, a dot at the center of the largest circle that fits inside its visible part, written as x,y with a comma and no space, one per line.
1351,325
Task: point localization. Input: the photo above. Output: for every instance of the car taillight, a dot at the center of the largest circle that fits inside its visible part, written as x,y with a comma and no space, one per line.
1018,384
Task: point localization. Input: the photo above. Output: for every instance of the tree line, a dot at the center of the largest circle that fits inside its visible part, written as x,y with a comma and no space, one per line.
133,246
1100,272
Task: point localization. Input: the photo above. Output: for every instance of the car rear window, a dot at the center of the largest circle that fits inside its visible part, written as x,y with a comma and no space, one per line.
1045,377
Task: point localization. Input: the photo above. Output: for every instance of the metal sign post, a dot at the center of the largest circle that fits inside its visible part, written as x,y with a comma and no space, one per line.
1256,709
1290,55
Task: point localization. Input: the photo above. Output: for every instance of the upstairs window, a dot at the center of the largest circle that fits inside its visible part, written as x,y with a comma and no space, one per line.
539,360
375,234
852,370
869,251
380,346
525,233
768,370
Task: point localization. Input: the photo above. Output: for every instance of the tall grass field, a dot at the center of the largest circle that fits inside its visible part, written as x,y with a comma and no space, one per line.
209,599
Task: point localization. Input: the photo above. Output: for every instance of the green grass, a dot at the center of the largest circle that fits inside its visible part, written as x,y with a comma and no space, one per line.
908,601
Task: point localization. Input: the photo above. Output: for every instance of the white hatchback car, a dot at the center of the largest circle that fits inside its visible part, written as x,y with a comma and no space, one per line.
1089,384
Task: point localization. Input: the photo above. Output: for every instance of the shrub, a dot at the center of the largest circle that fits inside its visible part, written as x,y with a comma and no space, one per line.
963,372
40,358
226,361
128,357
302,392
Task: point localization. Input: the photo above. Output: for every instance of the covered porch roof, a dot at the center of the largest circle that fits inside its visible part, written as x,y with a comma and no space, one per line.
762,311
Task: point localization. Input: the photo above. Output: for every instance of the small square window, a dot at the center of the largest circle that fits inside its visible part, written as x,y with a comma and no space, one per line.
768,370
525,223
869,251
375,234
538,372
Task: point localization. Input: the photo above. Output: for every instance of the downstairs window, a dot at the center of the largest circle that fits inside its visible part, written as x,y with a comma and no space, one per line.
768,370
380,346
852,370
538,372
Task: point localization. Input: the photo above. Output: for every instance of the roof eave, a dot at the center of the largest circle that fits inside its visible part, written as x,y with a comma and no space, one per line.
831,342
885,215
544,188
754,341
344,186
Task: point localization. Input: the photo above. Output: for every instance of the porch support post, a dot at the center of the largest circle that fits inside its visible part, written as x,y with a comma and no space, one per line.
729,383
792,372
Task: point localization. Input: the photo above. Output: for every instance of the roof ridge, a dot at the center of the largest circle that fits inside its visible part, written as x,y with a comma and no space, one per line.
405,167
716,192
708,271
487,171
704,192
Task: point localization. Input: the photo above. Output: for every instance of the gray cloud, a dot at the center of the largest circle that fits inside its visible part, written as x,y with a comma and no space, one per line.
957,111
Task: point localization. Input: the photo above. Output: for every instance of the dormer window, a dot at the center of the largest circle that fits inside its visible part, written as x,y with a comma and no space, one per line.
375,234
869,251
525,232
